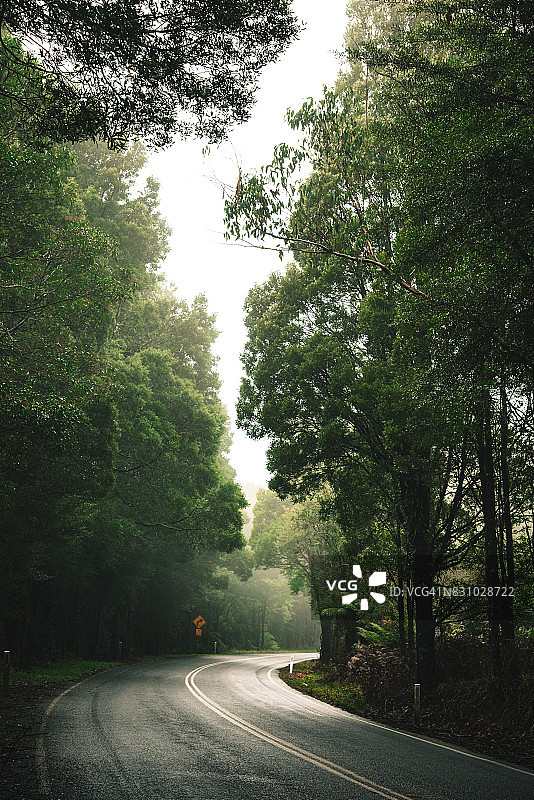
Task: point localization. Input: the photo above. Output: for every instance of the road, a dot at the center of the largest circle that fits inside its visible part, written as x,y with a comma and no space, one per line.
227,728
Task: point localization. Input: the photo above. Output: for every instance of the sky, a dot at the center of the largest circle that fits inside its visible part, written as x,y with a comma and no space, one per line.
201,261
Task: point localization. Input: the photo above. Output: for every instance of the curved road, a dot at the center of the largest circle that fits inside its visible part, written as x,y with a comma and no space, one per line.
219,727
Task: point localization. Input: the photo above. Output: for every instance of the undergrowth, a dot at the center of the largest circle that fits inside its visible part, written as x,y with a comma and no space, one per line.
310,680
469,707
58,672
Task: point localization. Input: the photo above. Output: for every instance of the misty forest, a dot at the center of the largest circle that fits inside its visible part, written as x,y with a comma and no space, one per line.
389,359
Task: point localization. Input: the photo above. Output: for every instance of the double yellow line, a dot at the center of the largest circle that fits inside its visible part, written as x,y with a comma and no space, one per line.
288,747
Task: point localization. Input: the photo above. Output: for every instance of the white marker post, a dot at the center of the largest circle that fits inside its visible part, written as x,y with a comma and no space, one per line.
417,703
5,670
291,665
215,647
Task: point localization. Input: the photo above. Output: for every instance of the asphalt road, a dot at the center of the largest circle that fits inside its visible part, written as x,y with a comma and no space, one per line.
225,727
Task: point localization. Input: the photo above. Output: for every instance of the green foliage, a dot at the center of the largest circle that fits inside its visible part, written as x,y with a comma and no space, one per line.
124,70
458,95
106,181
263,540
309,680
113,440
270,643
373,633
404,328
157,317
59,283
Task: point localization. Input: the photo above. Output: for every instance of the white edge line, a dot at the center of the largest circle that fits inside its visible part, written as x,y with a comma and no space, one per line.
40,755
40,752
295,694
357,718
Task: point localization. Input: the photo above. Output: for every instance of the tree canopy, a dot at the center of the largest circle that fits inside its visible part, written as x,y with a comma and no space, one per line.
120,70
113,441
120,515
390,365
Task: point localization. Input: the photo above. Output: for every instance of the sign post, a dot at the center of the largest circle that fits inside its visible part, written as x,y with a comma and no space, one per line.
198,622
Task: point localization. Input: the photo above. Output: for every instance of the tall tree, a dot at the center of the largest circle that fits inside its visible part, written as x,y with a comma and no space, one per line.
106,183
407,159
348,401
119,70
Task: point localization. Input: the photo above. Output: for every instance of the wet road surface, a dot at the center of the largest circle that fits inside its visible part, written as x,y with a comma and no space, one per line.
226,728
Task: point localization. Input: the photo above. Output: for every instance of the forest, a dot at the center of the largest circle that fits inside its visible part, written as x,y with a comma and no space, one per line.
390,363
120,516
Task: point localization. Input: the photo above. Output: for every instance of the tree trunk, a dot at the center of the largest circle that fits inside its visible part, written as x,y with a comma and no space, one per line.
400,599
327,638
487,487
410,616
417,506
425,627
350,624
507,602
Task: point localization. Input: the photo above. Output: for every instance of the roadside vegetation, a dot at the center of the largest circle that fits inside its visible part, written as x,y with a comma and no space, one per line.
464,709
311,678
120,516
390,363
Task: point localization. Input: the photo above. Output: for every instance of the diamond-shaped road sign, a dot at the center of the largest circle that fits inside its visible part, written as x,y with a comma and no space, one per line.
199,621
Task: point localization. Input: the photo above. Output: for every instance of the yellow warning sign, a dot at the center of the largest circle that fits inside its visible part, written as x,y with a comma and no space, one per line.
199,621
198,631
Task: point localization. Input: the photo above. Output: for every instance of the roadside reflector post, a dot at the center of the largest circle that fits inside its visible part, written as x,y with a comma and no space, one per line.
417,703
120,651
5,670
291,665
215,647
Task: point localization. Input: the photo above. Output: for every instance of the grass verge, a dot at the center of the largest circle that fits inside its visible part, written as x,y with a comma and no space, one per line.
32,686
311,681
59,672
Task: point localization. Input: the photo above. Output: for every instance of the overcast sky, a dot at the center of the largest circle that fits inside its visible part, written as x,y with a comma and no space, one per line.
201,261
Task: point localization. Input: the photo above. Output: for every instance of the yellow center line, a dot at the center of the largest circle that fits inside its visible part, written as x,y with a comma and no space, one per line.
282,744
